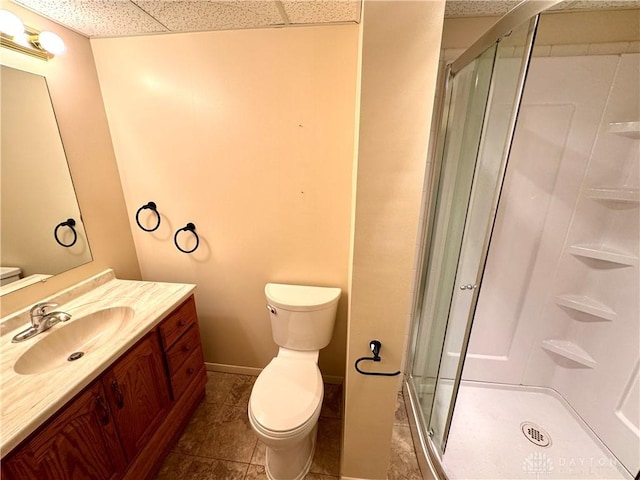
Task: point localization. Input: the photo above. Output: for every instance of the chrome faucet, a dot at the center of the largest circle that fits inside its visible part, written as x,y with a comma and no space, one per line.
41,320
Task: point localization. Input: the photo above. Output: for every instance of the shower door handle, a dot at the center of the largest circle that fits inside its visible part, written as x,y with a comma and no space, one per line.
467,287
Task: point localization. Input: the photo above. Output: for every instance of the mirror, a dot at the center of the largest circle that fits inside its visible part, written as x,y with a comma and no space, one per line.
42,233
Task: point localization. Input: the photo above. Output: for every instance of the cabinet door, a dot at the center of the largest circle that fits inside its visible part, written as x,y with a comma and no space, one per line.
80,444
138,394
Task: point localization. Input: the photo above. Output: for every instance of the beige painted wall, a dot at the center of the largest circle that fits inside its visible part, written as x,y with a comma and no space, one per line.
461,32
400,49
558,28
249,135
608,26
77,102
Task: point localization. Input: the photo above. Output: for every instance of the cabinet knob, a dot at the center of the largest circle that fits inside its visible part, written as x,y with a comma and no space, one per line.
186,348
118,393
189,370
182,323
102,406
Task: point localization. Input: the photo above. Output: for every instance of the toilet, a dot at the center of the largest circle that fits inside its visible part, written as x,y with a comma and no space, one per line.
287,396
9,275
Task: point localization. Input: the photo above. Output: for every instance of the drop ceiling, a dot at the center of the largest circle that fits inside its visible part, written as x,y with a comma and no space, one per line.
112,18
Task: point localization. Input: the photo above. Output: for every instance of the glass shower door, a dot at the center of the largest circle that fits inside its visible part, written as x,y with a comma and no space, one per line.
483,101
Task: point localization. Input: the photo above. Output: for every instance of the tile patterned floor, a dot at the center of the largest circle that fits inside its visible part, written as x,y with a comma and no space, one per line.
404,463
218,443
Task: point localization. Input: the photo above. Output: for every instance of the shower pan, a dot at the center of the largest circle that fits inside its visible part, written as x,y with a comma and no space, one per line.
525,352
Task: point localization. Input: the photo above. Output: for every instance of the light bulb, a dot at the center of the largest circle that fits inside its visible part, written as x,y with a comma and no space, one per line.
10,24
22,39
51,42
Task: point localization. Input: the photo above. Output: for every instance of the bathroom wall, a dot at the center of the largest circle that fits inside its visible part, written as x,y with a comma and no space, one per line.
559,28
461,32
248,134
399,60
77,102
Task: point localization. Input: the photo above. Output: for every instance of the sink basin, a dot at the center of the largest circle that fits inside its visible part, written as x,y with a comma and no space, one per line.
67,343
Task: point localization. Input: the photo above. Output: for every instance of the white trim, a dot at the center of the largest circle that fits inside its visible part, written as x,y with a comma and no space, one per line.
239,370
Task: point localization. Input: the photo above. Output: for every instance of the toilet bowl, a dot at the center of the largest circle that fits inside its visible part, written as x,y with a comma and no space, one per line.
284,408
286,398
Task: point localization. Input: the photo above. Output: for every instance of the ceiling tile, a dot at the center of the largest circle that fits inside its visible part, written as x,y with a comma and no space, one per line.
478,8
97,17
193,15
322,11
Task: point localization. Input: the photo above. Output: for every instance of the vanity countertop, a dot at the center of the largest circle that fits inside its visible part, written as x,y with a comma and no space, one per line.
27,401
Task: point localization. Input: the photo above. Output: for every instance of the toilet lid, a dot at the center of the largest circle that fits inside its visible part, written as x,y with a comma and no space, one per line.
286,394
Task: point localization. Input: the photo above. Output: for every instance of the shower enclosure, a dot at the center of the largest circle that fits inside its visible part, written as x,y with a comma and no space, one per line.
525,357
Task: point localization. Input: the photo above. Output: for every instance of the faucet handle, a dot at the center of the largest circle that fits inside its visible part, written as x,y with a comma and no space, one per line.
40,309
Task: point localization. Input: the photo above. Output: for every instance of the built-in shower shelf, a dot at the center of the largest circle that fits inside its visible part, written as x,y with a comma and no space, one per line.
626,129
629,196
603,254
569,350
585,304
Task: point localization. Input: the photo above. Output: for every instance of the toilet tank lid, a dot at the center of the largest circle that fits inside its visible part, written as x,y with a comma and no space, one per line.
300,297
6,272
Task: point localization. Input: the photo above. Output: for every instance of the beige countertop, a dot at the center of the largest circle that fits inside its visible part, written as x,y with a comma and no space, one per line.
27,401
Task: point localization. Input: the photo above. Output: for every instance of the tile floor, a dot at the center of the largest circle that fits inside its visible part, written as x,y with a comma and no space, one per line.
218,443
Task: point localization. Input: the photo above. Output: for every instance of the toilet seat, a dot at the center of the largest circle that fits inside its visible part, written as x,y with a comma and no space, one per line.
286,397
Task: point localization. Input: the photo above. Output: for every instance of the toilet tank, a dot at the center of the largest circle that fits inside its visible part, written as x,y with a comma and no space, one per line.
9,275
302,317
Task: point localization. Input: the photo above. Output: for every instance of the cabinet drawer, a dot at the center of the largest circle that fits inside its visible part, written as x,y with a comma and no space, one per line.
182,349
187,372
178,322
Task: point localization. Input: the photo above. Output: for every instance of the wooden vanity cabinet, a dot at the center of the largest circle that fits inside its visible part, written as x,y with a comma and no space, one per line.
138,396
180,338
124,423
80,443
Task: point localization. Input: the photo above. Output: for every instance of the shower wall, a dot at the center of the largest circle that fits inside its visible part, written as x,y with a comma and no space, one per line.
558,305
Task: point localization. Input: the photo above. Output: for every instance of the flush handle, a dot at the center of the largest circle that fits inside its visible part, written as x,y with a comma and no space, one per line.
272,310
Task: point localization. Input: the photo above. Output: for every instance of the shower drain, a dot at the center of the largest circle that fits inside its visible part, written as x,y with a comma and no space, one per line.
536,434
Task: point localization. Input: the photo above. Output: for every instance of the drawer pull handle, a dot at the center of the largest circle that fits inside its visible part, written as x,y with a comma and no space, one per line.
104,418
119,395
182,323
189,370
186,348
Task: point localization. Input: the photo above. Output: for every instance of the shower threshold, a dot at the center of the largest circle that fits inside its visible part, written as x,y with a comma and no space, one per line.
486,440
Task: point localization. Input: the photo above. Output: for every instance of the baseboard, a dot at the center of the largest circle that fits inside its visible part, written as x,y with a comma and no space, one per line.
333,379
239,370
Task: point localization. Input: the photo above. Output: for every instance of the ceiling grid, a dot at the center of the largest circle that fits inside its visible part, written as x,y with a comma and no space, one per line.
113,18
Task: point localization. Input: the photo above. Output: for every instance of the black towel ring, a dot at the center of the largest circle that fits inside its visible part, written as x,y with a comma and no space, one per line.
375,346
151,206
69,223
190,227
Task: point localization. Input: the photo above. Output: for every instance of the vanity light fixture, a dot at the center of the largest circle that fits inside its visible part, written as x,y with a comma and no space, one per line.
16,36
10,23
